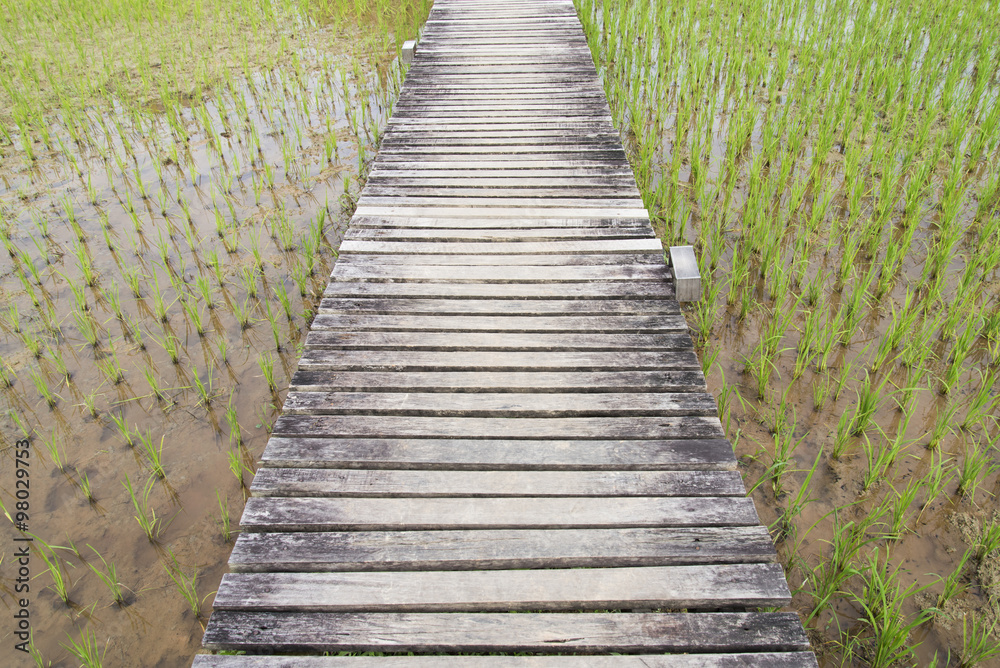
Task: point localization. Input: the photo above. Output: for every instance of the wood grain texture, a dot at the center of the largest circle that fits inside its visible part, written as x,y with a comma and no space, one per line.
383,483
413,514
499,632
756,659
510,548
692,587
500,455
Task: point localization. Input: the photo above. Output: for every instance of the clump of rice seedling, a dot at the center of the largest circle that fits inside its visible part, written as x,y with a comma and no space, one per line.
43,388
988,541
978,641
266,364
60,583
186,584
109,576
153,454
224,519
145,515
52,447
952,585
86,649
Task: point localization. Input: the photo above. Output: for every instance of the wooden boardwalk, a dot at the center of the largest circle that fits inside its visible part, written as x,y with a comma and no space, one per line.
499,439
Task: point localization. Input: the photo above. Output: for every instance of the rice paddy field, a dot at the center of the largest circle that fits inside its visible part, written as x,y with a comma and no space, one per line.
175,178
836,166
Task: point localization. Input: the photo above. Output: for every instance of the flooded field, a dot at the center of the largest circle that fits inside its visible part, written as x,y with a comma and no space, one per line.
174,181
836,166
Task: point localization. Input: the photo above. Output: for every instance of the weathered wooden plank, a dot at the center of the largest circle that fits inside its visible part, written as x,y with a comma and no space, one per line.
498,549
386,483
523,212
756,659
486,323
476,340
500,455
499,306
692,587
504,632
376,190
498,234
595,428
523,274
417,514
309,380
500,404
597,290
481,222
499,260
652,245
480,360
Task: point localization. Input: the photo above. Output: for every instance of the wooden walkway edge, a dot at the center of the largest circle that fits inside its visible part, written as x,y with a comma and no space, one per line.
499,440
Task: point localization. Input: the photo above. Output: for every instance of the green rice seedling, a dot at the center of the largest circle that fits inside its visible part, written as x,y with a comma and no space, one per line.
85,264
186,585
248,278
988,541
43,388
236,466
121,423
243,312
882,601
7,375
171,346
266,364
86,649
32,343
88,328
134,278
787,520
869,400
109,576
224,518
235,431
204,289
154,455
193,312
953,584
978,641
939,474
205,394
159,302
977,465
286,303
59,362
145,515
79,294
943,424
983,404
54,565
36,655
111,368
902,502
85,487
51,445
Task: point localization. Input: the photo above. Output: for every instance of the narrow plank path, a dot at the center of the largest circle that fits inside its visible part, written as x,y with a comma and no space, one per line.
499,438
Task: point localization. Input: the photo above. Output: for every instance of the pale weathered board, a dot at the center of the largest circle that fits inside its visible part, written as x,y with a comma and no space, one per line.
375,482
768,659
499,406
503,455
369,514
500,548
693,587
504,632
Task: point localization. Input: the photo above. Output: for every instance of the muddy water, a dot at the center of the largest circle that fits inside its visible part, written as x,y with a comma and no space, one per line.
254,160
